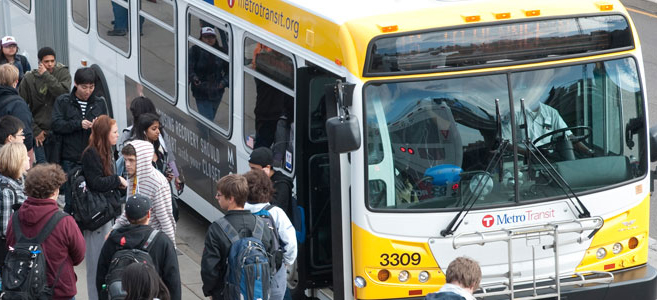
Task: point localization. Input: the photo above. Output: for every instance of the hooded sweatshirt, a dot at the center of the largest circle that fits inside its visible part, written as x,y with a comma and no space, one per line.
40,92
134,236
152,184
64,247
12,104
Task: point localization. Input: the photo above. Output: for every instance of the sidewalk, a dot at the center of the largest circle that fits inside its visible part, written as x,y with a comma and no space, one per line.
190,274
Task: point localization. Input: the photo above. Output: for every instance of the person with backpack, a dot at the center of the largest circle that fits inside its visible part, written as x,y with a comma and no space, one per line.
12,104
137,242
462,280
285,242
58,239
262,159
223,273
144,179
14,162
142,282
100,177
72,118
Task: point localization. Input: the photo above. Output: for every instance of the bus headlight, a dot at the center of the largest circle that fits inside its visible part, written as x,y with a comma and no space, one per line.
423,277
360,282
601,253
617,248
403,276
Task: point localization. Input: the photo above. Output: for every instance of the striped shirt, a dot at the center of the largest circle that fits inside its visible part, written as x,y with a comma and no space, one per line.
83,106
10,192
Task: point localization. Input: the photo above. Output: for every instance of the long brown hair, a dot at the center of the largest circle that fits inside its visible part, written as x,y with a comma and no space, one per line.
99,141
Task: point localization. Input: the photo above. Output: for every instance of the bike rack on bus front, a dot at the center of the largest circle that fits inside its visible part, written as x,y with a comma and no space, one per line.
552,284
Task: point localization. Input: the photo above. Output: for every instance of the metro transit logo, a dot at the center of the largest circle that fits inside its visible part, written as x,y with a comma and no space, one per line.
488,221
231,3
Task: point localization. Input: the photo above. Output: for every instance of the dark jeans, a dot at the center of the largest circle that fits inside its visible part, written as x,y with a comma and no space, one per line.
121,17
67,165
265,133
207,107
39,154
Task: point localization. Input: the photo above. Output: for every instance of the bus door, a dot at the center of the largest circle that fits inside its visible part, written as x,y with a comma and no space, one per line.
312,180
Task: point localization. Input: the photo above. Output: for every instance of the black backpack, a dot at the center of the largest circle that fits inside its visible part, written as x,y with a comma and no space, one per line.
278,244
24,275
90,209
120,260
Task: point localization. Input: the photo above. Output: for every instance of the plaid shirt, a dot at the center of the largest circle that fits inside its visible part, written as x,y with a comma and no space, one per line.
11,192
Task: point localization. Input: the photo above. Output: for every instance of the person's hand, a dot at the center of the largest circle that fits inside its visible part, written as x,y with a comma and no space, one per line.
41,69
179,184
40,138
86,124
124,183
169,176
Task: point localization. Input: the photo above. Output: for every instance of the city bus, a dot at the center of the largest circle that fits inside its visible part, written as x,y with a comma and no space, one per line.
512,132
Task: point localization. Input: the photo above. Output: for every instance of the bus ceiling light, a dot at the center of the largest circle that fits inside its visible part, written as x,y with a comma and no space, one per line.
404,276
502,15
423,277
532,12
383,275
617,248
388,28
601,253
471,18
632,243
604,6
360,282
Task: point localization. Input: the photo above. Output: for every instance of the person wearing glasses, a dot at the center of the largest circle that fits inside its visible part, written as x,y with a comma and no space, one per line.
11,130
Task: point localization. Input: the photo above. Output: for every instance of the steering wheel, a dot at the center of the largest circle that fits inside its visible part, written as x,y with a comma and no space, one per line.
573,138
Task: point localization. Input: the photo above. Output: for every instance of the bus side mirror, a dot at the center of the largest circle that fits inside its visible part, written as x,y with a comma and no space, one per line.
343,134
343,130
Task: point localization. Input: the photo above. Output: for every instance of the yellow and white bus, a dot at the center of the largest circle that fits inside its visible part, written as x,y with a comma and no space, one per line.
514,132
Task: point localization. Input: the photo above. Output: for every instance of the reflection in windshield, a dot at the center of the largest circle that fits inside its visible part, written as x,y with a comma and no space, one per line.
430,142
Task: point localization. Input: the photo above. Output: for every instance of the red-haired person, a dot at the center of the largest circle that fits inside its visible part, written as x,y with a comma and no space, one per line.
100,176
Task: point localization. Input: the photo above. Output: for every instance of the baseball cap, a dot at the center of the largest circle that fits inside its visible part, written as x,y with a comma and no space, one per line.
137,207
262,156
8,40
208,31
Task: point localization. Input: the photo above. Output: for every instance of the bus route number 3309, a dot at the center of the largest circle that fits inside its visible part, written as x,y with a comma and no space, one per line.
403,259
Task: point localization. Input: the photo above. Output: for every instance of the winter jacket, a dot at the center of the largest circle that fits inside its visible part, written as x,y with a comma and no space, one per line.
152,184
20,62
284,227
12,104
40,92
12,193
67,122
217,244
64,246
210,71
162,252
92,167
283,191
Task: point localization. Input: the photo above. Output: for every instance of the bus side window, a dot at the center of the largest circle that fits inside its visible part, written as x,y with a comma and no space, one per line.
269,77
157,46
208,69
24,4
112,17
80,13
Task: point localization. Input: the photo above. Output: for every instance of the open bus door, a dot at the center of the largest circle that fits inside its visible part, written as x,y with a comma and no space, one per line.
314,261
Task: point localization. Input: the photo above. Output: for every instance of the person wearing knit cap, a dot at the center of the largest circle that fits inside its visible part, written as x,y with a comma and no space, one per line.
133,236
262,159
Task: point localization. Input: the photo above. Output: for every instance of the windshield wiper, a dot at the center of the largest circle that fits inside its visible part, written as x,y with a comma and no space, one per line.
482,180
551,170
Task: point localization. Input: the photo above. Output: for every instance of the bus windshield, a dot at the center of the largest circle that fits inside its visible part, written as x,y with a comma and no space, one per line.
430,143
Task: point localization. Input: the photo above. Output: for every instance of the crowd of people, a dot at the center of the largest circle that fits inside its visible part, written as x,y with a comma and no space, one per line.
118,213
78,189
